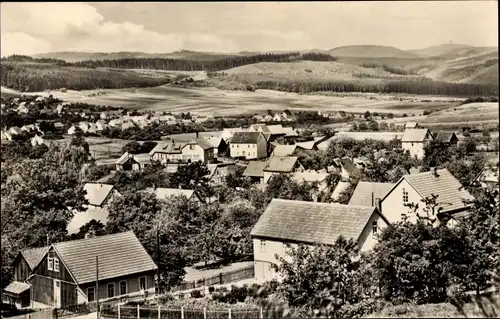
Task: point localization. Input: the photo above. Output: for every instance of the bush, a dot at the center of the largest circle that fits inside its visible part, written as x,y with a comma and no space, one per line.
427,112
196,294
211,289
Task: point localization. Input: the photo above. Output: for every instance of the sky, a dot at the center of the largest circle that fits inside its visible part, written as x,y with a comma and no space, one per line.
30,28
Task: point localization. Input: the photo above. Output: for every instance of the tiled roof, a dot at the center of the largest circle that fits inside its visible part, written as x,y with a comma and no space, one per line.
411,125
363,193
445,185
119,255
245,137
167,148
260,127
123,159
284,150
283,164
255,169
33,256
17,287
276,129
202,142
142,158
445,137
97,193
415,135
214,140
311,222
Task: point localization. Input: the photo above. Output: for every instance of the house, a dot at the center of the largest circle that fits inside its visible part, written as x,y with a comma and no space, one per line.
249,145
228,133
488,177
312,177
115,123
339,189
284,150
58,125
67,273
268,118
278,117
311,145
195,150
100,125
412,188
281,165
168,119
369,194
219,172
6,136
255,171
415,141
299,222
103,115
259,128
72,130
132,162
412,125
99,197
447,138
36,140
22,108
344,166
168,193
14,130
218,143
127,125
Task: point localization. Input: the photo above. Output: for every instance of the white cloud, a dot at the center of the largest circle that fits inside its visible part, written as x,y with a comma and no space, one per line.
22,43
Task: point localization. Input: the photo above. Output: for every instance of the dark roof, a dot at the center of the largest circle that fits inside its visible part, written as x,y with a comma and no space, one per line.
445,185
255,169
415,135
348,165
311,222
283,164
204,144
446,137
119,255
33,256
245,137
168,148
362,195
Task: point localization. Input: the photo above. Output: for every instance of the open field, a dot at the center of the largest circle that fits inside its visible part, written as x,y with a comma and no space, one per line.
473,114
221,102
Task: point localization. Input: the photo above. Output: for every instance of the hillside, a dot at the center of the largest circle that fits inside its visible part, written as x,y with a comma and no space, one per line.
372,51
440,49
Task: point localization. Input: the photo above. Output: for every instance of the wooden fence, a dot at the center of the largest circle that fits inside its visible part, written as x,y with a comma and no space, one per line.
220,279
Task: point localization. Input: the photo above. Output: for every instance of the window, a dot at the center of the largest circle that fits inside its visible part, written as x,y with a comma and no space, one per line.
142,283
405,196
263,246
91,294
412,144
56,264
254,146
123,287
50,263
238,145
374,227
111,290
191,147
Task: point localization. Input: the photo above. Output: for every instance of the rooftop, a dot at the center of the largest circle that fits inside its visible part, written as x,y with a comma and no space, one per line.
97,193
283,164
245,137
366,193
33,256
415,135
284,150
255,169
311,222
446,137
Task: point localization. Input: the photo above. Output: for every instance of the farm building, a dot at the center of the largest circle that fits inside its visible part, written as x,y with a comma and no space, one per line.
281,165
299,222
447,138
255,171
132,162
64,273
412,188
218,143
195,150
219,172
248,145
415,141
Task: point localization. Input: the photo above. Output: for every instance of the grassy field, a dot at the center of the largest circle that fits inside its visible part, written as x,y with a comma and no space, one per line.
222,102
474,114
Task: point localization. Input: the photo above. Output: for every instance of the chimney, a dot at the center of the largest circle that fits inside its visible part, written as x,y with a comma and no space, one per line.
373,199
197,134
378,205
434,171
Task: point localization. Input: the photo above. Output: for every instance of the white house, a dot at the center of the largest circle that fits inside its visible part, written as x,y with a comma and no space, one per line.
132,162
415,140
299,222
250,145
192,151
281,165
412,188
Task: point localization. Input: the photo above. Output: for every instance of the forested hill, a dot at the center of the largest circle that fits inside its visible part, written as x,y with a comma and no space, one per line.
179,64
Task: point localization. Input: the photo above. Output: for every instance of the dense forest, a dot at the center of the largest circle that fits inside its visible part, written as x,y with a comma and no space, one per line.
34,77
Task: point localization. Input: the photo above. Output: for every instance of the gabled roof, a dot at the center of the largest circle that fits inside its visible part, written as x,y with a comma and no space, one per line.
33,256
412,125
168,148
245,137
365,192
97,193
123,159
260,127
201,142
445,185
119,255
284,150
416,135
215,141
311,222
142,158
165,193
255,169
283,164
446,137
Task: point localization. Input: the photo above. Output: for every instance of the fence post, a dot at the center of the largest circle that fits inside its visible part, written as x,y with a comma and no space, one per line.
261,314
159,311
119,311
182,312
229,313
204,313
220,278
138,311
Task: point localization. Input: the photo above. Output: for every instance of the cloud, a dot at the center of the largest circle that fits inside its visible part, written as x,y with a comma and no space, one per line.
29,28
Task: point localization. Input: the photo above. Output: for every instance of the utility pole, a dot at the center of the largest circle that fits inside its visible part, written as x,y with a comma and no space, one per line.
96,294
158,258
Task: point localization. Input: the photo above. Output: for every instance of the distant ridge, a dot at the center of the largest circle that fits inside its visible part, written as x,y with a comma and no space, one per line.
371,51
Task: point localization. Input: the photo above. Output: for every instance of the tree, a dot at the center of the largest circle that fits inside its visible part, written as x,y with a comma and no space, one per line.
367,115
79,141
192,176
94,227
320,277
282,186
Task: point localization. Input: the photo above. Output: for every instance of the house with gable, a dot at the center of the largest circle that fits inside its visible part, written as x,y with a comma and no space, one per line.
309,223
65,273
413,188
248,145
415,141
168,193
281,165
132,162
183,152
369,193
255,171
284,150
218,143
447,138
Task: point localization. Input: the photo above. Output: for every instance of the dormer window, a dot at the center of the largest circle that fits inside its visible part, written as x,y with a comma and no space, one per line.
50,264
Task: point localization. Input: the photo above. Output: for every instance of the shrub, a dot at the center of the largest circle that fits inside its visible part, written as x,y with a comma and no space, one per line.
211,289
196,294
426,112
